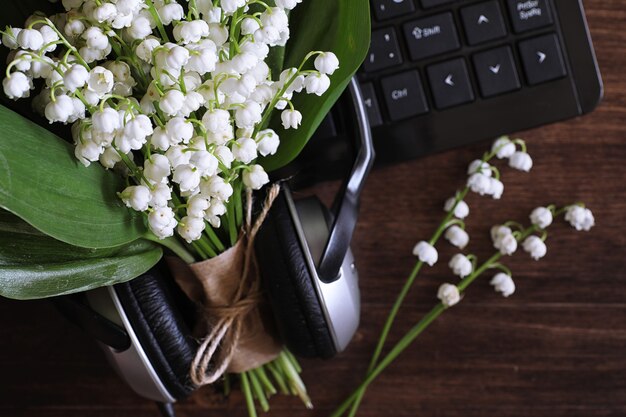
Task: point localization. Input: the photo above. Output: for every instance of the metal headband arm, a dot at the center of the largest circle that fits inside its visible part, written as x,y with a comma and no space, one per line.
347,201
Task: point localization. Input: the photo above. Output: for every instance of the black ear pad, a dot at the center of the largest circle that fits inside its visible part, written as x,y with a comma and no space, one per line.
160,314
289,285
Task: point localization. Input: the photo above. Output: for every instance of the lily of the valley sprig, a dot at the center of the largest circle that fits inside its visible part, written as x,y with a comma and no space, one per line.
483,179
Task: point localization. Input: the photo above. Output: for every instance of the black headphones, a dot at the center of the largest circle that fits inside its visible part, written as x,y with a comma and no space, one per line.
303,250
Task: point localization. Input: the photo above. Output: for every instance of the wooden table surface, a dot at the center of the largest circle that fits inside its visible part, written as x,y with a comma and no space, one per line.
555,348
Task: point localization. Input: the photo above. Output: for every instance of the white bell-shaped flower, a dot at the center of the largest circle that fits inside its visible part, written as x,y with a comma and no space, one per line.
225,155
160,195
75,77
426,253
187,177
326,63
106,120
216,188
100,81
541,217
156,168
291,118
136,196
140,28
248,115
170,12
316,84
461,265
179,130
496,188
535,247
177,156
448,294
480,183
245,150
197,205
30,39
461,210
457,236
162,222
95,38
503,147
580,218
503,283
145,48
60,110
205,162
521,161
255,177
17,85
172,102
479,166
267,142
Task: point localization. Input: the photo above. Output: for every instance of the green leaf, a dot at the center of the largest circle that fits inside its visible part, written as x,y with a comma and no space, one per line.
339,26
33,265
42,182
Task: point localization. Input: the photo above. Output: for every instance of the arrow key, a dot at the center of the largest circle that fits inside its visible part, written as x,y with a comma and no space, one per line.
483,22
542,59
450,83
496,72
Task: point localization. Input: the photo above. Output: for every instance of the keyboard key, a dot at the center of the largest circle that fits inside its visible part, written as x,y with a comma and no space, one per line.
542,59
529,14
404,95
386,9
371,104
431,36
496,73
483,22
433,3
450,83
384,51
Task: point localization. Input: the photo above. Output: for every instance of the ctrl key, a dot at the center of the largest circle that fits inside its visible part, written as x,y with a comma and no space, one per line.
404,95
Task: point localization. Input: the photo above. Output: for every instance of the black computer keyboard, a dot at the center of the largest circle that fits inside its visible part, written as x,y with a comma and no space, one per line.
444,73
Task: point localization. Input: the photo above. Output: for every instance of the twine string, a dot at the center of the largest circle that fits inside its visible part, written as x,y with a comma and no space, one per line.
225,334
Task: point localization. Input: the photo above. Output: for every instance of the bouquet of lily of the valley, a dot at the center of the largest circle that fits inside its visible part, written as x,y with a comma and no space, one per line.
177,111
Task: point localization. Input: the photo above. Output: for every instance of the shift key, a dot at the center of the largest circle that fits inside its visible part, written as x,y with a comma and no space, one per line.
404,95
431,36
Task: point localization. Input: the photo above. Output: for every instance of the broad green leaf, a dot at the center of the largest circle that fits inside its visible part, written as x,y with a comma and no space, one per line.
339,26
33,265
42,182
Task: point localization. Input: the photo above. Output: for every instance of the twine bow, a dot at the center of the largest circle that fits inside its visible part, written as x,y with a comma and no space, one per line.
227,328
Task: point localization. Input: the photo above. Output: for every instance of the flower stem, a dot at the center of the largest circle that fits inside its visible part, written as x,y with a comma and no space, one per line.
393,354
247,392
445,223
174,245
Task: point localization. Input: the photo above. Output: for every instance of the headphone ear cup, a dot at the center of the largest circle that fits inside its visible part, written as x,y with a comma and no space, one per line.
289,283
157,310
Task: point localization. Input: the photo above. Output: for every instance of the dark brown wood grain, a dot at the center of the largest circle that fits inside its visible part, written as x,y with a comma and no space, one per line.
555,348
